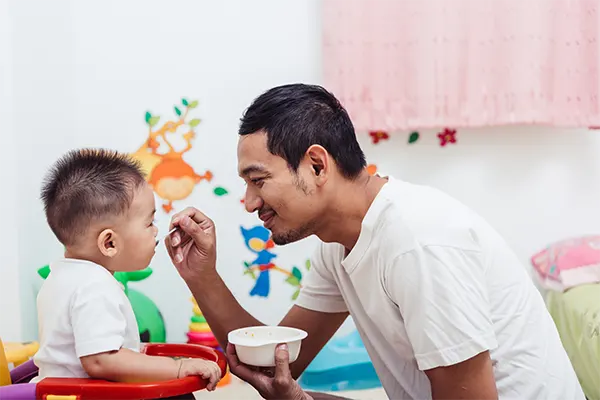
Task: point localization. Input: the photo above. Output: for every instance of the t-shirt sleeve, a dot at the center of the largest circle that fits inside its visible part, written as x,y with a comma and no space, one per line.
319,290
98,323
442,296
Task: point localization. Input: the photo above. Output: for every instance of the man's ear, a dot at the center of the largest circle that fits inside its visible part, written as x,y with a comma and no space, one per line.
107,243
319,161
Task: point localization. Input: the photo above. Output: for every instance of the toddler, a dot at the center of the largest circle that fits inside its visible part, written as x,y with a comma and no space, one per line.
101,209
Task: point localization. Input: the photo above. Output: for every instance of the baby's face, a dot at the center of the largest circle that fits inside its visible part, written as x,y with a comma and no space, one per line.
138,232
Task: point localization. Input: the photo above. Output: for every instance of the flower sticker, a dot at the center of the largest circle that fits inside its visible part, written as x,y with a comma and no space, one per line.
447,136
377,136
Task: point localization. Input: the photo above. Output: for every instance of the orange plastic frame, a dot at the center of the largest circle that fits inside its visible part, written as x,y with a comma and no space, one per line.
94,389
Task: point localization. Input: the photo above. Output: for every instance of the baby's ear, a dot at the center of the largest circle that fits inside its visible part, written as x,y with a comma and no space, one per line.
107,243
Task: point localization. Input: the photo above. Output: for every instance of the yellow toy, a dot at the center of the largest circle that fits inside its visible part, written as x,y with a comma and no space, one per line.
15,354
200,333
4,372
18,353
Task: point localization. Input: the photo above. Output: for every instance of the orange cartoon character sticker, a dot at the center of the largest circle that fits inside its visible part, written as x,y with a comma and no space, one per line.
170,176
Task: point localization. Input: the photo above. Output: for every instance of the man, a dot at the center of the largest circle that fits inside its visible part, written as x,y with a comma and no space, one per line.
444,307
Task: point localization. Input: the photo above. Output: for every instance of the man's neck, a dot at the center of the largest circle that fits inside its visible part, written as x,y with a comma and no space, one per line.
346,211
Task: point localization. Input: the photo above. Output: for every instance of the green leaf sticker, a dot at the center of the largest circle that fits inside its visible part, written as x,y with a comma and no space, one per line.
184,102
292,280
250,272
246,264
44,271
193,104
220,191
153,121
295,295
413,137
177,111
296,272
194,122
148,116
307,264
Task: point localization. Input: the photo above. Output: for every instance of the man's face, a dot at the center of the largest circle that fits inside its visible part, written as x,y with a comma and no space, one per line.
286,202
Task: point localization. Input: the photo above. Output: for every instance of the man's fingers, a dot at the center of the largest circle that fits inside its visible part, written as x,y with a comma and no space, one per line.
175,236
169,247
194,230
193,213
188,211
255,378
198,216
282,361
231,356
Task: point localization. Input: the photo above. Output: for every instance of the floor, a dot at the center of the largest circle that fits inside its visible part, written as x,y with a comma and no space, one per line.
238,389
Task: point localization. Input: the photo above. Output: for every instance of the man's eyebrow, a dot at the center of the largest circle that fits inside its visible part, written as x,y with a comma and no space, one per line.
253,168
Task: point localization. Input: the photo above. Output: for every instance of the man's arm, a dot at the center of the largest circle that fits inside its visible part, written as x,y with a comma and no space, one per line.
222,311
320,327
442,294
224,314
470,379
324,396
192,248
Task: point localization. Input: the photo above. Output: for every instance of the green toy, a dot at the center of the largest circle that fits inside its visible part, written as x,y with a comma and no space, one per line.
150,321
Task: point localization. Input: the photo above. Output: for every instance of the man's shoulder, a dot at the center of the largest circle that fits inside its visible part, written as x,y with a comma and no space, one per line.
419,216
328,254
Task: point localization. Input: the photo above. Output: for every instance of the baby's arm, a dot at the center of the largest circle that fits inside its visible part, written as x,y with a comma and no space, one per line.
130,366
99,329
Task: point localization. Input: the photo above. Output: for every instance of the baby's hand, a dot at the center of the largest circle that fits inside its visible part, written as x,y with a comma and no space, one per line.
206,369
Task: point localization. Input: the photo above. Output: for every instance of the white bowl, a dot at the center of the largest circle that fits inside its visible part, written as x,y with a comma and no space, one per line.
256,345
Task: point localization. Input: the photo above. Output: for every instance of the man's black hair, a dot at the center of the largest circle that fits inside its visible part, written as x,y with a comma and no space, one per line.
296,116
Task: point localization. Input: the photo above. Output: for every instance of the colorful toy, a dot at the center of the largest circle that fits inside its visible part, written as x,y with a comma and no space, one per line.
4,372
200,333
150,321
95,389
343,364
19,353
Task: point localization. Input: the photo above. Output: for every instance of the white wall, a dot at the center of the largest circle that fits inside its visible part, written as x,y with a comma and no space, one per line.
84,74
10,305
535,185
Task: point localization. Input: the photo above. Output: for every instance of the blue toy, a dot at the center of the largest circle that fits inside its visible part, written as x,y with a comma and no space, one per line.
343,364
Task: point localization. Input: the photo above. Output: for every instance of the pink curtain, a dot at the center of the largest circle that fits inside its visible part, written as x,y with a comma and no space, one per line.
403,64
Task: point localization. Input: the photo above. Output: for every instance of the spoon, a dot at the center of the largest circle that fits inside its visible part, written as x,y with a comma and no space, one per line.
165,236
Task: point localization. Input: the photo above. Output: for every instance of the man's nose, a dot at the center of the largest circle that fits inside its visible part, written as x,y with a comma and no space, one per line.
252,201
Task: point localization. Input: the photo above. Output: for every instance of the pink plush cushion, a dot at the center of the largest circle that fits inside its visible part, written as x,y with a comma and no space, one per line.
569,263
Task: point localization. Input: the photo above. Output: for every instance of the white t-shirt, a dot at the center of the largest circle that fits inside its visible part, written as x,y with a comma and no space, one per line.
82,310
429,283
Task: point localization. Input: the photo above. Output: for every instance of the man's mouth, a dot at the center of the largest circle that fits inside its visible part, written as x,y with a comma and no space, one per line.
267,218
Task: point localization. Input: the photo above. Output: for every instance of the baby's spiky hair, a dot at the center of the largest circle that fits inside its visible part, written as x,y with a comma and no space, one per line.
86,185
